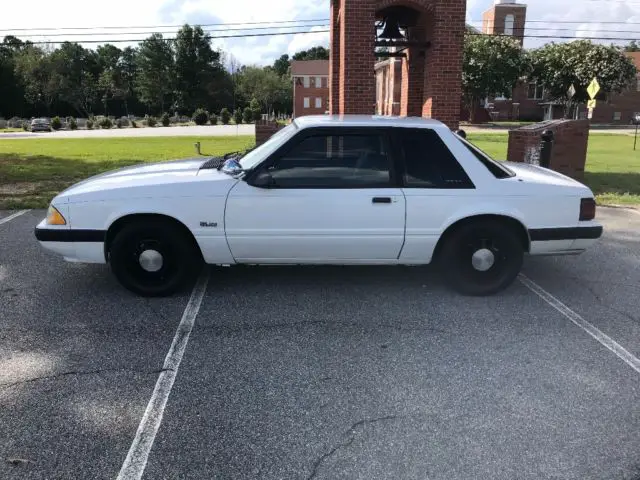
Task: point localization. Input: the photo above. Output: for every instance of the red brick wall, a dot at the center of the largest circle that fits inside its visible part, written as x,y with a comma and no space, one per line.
264,130
569,153
334,57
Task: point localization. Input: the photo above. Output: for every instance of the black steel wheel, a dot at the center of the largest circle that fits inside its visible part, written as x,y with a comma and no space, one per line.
153,258
481,258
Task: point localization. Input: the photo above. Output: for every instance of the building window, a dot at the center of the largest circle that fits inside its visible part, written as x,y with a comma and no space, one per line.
307,81
617,116
318,82
509,22
307,102
318,102
535,91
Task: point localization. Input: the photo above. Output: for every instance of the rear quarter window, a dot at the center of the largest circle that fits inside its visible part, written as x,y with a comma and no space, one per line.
428,162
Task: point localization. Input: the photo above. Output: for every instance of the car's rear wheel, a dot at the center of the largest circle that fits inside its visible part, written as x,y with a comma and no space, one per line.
153,258
481,257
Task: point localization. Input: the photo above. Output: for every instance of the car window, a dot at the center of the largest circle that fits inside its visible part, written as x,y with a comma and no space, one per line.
334,161
428,162
497,170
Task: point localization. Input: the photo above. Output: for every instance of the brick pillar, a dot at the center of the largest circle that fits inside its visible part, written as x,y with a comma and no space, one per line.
334,57
443,78
412,89
357,89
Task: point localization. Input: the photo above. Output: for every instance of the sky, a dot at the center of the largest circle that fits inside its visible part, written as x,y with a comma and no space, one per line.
545,15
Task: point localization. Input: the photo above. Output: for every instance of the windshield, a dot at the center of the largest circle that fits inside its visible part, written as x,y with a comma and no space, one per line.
255,156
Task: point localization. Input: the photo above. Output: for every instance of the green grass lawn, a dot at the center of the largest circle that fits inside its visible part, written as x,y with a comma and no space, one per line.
32,171
11,130
612,170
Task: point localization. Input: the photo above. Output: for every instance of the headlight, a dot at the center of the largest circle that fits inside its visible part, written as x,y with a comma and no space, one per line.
54,217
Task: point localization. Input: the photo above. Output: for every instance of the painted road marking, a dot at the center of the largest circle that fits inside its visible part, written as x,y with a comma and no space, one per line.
12,216
604,339
136,460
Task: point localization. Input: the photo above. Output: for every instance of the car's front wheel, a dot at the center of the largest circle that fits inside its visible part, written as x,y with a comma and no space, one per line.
481,257
153,258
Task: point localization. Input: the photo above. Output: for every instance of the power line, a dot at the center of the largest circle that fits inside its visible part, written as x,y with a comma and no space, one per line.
212,38
111,27
573,22
559,37
171,32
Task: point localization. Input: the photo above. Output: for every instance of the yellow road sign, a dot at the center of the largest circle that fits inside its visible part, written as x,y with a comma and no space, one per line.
593,88
591,104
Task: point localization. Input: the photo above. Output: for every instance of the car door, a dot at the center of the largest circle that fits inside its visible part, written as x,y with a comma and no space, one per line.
436,186
332,198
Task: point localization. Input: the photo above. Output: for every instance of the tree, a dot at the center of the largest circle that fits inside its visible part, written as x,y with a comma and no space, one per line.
200,75
155,72
247,115
237,116
632,47
264,85
35,70
491,66
75,71
225,116
559,66
12,94
281,65
256,110
314,53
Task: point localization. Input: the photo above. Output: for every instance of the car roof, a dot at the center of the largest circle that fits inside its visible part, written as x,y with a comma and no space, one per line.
366,121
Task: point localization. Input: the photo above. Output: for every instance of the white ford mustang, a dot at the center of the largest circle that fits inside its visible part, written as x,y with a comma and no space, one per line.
325,190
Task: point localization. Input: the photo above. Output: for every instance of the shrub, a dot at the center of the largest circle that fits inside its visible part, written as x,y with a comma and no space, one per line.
165,119
134,124
90,124
254,105
213,120
124,122
56,124
237,116
200,116
119,123
106,123
225,116
247,115
25,127
152,121
73,124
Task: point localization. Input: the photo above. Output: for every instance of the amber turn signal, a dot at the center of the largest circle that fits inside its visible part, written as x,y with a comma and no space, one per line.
54,217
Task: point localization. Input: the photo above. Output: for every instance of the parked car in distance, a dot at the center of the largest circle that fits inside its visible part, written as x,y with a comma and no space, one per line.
40,125
346,190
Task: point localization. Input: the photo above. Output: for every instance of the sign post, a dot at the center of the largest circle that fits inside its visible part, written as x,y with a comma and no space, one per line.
592,90
636,120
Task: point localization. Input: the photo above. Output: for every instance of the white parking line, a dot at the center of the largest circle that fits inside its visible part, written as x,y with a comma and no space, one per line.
12,216
604,339
136,460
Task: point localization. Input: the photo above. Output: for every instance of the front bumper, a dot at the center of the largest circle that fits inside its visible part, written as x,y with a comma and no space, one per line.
85,246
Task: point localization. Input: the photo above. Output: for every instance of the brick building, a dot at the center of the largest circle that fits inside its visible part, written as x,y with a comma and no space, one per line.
310,87
528,101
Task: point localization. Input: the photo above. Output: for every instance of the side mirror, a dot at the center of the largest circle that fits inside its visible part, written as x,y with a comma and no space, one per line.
262,180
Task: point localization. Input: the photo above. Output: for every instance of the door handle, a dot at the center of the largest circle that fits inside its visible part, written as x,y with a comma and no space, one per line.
381,200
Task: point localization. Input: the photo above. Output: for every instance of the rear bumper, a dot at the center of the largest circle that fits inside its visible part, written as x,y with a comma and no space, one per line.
563,241
570,233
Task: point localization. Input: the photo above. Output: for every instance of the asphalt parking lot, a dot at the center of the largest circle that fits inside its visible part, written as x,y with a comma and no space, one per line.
323,373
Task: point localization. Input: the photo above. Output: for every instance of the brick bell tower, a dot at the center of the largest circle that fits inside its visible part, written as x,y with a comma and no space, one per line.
506,17
429,40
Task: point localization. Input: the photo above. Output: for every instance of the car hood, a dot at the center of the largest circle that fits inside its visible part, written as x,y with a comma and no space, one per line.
162,178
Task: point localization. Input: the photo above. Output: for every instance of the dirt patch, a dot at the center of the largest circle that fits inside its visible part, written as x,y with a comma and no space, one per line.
22,188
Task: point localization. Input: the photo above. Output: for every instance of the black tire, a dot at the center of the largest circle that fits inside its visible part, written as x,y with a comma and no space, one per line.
457,252
180,259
